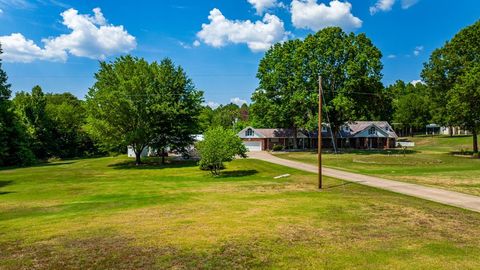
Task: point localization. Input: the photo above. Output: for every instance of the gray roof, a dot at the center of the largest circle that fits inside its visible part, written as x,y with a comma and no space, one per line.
354,128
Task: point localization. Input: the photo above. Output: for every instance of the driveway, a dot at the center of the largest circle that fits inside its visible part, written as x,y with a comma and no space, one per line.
452,198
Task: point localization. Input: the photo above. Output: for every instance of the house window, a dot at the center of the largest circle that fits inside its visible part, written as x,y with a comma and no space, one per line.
249,132
324,129
372,131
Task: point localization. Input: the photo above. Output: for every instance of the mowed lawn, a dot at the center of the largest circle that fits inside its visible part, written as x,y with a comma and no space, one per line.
431,163
108,214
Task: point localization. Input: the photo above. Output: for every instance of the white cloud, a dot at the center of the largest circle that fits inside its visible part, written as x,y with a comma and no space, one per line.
382,5
259,36
409,3
263,5
308,14
418,50
1,11
212,104
415,82
184,45
391,56
16,48
238,101
196,43
90,36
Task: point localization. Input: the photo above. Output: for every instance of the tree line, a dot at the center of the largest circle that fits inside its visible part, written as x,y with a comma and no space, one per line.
140,104
350,67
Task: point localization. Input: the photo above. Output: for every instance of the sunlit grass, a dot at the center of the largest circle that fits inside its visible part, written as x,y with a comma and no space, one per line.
108,214
431,162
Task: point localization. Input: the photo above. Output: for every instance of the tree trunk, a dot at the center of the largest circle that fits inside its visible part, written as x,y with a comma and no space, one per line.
450,131
475,141
295,145
138,159
163,155
411,131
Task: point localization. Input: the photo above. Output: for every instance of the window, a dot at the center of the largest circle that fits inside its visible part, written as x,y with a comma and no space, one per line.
249,132
324,129
372,131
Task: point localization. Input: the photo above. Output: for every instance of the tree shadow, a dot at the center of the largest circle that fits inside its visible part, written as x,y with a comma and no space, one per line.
338,185
39,165
4,184
238,173
153,164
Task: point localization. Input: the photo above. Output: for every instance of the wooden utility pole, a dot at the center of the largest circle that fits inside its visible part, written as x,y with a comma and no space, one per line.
320,93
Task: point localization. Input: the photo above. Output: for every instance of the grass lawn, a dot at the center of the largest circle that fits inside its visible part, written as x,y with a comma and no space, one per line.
107,214
430,163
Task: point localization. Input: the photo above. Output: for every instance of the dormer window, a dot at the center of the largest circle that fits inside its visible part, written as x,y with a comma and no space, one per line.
249,132
372,131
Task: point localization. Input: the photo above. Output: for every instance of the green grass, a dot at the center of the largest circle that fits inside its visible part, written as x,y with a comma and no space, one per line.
107,214
430,163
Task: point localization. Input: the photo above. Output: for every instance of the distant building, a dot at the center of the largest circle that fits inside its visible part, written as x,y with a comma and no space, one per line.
358,135
152,152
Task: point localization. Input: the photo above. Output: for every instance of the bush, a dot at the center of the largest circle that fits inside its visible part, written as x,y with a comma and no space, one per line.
476,155
218,146
277,147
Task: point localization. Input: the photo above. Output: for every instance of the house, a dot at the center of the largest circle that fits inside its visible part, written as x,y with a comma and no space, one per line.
263,139
358,135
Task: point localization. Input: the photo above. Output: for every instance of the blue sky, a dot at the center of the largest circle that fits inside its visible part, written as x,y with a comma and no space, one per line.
57,43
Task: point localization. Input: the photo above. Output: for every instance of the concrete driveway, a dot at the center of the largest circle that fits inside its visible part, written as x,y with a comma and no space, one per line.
447,197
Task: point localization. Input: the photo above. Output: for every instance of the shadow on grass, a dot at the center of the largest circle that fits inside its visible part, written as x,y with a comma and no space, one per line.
338,185
39,165
153,164
4,184
239,173
370,152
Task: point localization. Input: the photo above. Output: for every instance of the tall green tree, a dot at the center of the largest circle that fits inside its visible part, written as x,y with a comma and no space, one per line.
445,69
137,103
31,110
350,67
411,106
14,148
68,115
464,102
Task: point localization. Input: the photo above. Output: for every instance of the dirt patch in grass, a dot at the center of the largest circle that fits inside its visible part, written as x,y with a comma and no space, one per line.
120,253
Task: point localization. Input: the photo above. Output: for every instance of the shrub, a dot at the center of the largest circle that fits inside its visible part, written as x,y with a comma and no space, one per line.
277,147
218,146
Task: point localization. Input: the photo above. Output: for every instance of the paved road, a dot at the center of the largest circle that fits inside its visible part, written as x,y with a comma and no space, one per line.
452,198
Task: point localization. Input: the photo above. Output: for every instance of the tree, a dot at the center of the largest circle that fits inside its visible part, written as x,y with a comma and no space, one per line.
67,114
139,104
31,110
219,145
412,107
445,68
463,102
13,141
350,67
282,89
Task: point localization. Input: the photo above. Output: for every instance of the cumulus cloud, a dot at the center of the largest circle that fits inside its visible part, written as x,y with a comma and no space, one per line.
386,5
308,14
259,36
418,50
382,5
16,48
196,43
91,36
415,82
263,5
212,104
238,101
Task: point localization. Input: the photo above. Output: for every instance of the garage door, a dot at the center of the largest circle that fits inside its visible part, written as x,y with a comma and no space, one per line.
253,146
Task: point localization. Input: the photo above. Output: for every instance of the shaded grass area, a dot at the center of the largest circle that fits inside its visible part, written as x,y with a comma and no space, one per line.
98,214
431,163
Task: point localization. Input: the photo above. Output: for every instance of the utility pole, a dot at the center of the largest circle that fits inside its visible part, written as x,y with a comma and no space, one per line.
320,93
